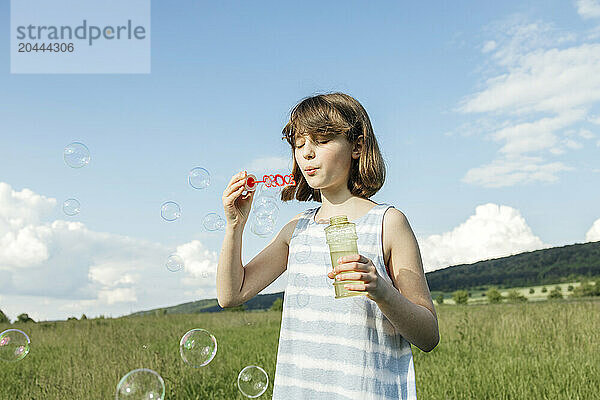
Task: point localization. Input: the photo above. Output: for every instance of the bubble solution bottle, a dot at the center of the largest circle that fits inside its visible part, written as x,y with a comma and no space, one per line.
341,238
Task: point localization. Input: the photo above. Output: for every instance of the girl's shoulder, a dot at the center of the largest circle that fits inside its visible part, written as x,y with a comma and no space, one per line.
290,227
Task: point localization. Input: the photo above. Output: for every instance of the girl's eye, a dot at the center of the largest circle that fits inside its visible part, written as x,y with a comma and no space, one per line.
299,146
323,141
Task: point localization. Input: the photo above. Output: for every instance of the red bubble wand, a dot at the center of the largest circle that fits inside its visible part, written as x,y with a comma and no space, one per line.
277,180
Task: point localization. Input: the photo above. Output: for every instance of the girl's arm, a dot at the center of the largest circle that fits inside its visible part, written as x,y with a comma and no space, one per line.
237,284
230,272
407,304
237,209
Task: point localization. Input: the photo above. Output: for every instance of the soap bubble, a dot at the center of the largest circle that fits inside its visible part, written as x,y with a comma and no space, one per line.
303,249
213,222
253,381
301,281
141,384
262,227
14,345
198,347
71,207
266,207
175,263
199,178
170,211
265,216
300,284
302,298
76,155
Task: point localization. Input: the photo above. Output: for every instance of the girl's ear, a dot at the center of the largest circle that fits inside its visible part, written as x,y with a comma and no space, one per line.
357,148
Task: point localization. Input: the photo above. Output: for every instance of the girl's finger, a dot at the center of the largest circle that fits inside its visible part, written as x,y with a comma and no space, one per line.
236,193
356,287
236,177
233,188
352,277
230,200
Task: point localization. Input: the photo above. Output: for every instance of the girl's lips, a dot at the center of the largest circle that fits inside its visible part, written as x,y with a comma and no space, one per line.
311,171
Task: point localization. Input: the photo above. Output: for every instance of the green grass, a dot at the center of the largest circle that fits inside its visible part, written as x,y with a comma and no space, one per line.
537,350
478,298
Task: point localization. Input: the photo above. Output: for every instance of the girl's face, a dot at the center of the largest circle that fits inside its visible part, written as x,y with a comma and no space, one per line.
325,162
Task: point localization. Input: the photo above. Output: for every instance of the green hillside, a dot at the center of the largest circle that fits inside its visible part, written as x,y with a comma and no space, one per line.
540,267
259,302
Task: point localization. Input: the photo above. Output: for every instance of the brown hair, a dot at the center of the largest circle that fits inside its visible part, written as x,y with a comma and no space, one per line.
330,114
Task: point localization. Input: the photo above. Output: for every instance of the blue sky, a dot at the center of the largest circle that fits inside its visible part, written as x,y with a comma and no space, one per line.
487,114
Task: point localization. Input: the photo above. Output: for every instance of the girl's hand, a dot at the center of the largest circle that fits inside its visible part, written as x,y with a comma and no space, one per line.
362,269
237,208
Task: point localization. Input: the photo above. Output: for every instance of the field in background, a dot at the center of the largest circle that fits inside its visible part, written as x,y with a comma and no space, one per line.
537,350
477,296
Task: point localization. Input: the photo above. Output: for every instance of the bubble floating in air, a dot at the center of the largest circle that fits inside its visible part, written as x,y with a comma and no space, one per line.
301,281
300,285
262,228
302,298
266,212
170,211
199,178
71,207
266,207
252,381
141,384
302,248
76,155
197,347
213,222
175,263
14,345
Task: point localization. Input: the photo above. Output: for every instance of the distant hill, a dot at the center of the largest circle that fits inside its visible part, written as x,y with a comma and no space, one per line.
259,302
546,266
539,267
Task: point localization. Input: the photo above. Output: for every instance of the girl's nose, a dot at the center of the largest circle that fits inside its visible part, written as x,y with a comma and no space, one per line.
308,151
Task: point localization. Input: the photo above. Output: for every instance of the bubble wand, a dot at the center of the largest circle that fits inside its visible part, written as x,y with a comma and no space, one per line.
269,181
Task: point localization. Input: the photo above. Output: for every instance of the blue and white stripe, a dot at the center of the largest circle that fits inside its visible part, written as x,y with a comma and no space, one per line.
334,349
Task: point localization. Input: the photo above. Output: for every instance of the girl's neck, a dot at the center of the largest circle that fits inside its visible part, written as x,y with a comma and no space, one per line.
351,206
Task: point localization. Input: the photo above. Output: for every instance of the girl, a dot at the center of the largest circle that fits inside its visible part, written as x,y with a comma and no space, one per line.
349,348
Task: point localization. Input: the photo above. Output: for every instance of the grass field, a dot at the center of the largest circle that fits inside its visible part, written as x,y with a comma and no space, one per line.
537,350
477,296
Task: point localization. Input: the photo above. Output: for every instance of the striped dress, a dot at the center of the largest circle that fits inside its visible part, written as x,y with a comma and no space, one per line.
334,349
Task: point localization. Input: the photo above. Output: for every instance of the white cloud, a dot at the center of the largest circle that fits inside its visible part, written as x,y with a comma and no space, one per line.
586,134
534,136
112,274
588,8
65,268
552,80
24,247
20,209
489,46
120,295
513,171
593,234
494,231
541,84
200,264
